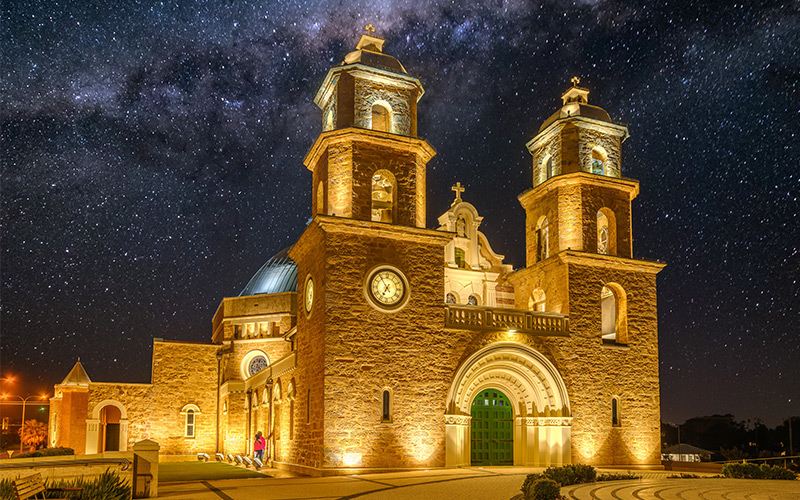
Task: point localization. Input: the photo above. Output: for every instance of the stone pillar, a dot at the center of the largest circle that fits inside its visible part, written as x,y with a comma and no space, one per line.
457,440
543,460
520,442
145,469
532,442
123,434
92,435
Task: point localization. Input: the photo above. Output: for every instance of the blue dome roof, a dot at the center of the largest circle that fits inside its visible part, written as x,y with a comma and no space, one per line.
278,275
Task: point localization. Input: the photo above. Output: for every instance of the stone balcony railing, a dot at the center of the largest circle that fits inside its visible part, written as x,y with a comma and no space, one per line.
508,320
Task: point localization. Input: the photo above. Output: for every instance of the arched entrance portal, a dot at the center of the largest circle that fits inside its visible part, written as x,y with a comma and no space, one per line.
107,429
492,429
538,402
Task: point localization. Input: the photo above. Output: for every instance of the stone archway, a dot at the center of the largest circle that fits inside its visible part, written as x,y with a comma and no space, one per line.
538,396
96,433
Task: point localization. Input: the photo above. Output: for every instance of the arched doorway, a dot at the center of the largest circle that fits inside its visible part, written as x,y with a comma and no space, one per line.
492,429
537,398
107,429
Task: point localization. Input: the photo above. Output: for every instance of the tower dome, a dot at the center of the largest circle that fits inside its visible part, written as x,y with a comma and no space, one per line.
369,52
277,275
575,103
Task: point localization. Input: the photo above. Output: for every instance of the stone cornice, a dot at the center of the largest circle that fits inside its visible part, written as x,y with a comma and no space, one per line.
584,178
609,261
356,134
366,72
332,224
617,129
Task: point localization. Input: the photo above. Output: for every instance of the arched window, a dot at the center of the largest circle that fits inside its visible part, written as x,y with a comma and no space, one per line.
473,300
450,299
383,193
328,124
602,233
386,405
616,421
547,167
542,240
189,424
190,413
606,232
598,161
381,117
536,302
614,316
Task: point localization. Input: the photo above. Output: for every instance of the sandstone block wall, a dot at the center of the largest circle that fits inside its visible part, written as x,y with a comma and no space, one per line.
183,373
368,351
306,447
595,373
273,348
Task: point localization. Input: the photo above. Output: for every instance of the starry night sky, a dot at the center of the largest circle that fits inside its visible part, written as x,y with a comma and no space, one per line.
152,162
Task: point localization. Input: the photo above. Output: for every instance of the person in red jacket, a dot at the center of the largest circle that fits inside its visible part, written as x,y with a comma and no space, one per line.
259,446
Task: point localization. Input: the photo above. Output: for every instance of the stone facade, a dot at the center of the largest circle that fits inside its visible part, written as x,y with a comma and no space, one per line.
379,351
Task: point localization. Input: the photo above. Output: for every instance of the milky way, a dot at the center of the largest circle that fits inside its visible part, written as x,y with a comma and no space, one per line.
152,161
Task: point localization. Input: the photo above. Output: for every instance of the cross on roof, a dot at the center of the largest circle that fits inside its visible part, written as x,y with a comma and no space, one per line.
575,81
369,28
458,190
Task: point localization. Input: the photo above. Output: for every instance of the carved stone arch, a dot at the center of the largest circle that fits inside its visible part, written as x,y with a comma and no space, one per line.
537,394
381,116
607,216
383,196
95,428
109,402
619,314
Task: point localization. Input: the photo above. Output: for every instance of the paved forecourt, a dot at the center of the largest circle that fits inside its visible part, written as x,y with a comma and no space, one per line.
490,483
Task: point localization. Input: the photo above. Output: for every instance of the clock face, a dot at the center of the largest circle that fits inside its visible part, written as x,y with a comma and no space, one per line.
309,294
387,288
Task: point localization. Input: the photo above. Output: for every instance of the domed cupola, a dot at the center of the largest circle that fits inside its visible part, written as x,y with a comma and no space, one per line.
277,275
579,137
575,102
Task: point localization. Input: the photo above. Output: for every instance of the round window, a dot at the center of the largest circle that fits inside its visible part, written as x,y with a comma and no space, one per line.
257,364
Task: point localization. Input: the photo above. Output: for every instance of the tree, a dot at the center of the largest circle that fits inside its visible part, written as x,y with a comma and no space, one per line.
33,433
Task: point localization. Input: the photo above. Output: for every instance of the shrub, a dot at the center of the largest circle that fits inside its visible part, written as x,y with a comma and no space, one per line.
563,476
754,471
528,483
543,489
107,486
46,452
6,490
571,474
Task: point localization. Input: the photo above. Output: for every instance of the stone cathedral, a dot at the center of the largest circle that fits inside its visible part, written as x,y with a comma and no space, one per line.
377,343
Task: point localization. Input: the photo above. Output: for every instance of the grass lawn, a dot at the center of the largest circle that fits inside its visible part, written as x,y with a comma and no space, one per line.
202,471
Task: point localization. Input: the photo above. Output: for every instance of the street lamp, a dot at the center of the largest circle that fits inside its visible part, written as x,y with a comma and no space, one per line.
24,402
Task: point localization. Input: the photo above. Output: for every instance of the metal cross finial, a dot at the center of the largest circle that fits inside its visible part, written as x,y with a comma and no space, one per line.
575,81
369,28
458,190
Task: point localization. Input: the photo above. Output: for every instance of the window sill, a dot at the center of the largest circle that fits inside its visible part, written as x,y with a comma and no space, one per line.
614,345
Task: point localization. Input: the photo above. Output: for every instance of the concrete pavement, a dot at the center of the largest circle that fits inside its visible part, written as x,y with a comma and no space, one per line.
490,483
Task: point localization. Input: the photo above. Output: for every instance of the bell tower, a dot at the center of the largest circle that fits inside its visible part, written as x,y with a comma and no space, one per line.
368,163
579,199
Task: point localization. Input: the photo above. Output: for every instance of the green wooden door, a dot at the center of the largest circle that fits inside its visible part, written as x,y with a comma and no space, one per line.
492,429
